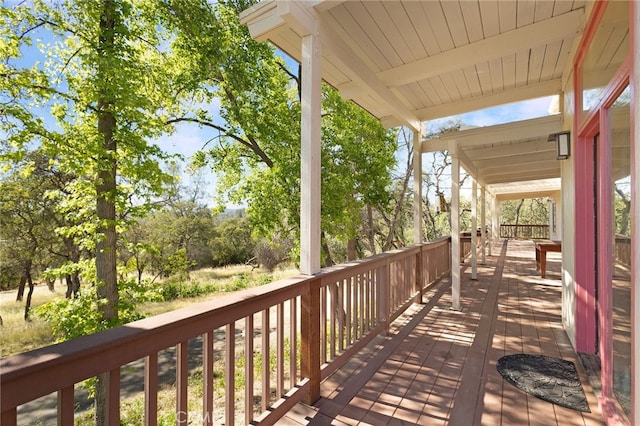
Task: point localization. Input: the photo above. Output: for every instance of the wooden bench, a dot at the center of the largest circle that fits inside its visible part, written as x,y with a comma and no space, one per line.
542,247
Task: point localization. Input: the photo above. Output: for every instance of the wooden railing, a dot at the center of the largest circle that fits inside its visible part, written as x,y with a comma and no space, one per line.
311,325
525,232
622,249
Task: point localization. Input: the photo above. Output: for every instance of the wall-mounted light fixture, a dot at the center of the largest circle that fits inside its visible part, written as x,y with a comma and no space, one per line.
563,144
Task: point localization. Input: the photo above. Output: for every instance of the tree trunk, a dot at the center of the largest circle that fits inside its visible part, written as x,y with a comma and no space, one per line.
23,281
106,272
393,223
371,230
518,217
51,284
27,305
351,249
67,294
328,260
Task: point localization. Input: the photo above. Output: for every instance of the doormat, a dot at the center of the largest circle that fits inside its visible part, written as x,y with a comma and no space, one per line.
551,379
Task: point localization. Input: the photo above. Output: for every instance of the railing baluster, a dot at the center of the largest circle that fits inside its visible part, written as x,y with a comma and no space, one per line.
182,379
349,289
293,338
248,369
323,324
332,316
266,368
151,390
113,397
340,312
367,293
230,374
362,307
65,406
280,351
207,379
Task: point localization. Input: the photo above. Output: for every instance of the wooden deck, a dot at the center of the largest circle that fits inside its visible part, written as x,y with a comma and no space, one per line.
437,366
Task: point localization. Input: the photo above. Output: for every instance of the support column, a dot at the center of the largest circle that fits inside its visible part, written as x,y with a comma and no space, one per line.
474,229
483,225
455,231
311,97
417,187
495,220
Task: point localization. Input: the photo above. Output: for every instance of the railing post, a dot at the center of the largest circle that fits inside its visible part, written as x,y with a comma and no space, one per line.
385,291
419,275
310,339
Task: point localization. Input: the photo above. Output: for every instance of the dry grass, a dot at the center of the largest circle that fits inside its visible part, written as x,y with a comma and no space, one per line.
18,336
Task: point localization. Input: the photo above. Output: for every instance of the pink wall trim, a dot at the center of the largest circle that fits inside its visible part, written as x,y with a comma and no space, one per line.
588,333
584,244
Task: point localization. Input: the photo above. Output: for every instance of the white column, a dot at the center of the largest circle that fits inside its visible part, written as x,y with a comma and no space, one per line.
495,219
483,224
455,232
310,156
474,229
417,187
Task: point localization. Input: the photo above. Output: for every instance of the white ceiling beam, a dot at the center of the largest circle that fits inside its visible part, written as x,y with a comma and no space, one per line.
522,177
263,20
365,78
530,167
540,33
465,162
515,160
511,149
324,5
517,195
531,91
515,131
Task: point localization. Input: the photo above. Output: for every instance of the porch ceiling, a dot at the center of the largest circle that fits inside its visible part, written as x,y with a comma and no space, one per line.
503,156
412,61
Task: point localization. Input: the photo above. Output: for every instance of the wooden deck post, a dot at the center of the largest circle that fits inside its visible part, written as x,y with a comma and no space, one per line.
483,224
455,228
310,156
310,340
474,229
495,221
417,186
419,276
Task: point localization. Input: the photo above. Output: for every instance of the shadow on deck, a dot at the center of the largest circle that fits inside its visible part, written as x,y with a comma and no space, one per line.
438,366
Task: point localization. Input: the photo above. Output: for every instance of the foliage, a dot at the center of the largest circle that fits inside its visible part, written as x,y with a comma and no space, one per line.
72,318
532,211
172,289
256,152
91,106
270,253
233,243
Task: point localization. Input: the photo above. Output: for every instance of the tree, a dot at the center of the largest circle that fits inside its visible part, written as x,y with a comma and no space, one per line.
233,243
256,151
29,219
106,84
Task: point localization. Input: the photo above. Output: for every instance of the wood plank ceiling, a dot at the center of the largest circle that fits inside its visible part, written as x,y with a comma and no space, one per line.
411,61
